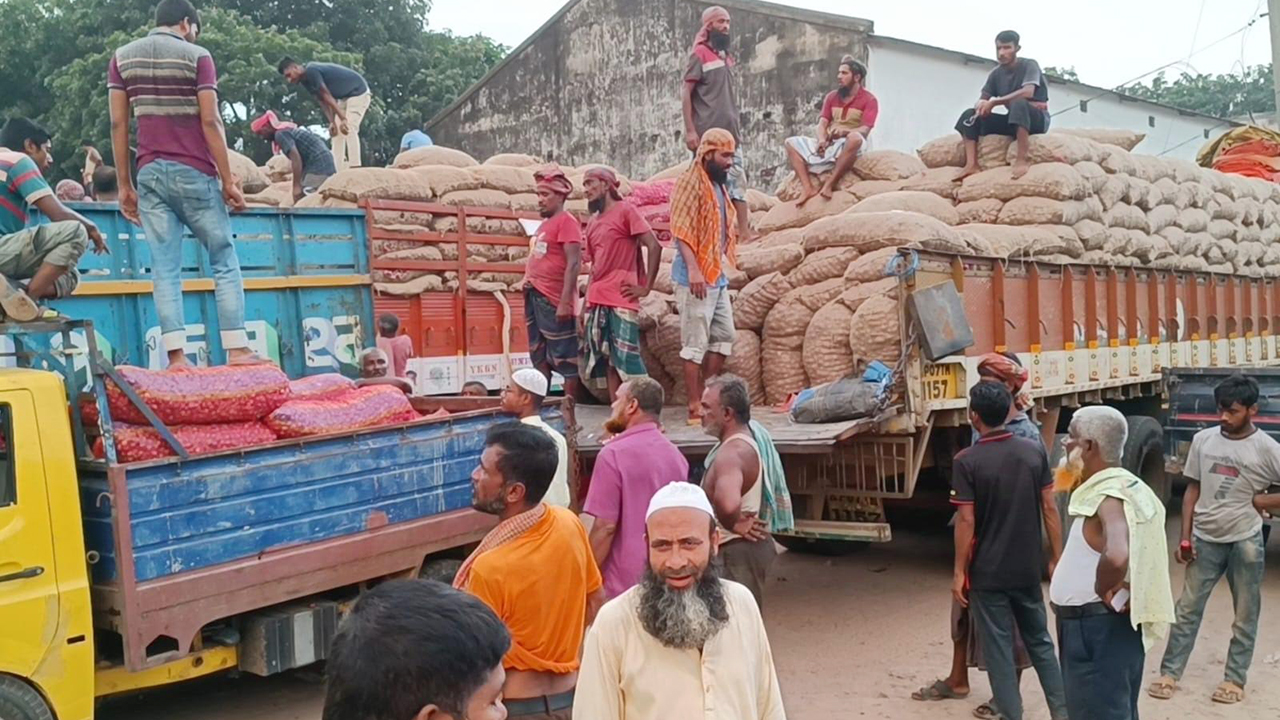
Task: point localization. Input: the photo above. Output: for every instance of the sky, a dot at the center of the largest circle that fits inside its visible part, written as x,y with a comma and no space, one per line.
1109,42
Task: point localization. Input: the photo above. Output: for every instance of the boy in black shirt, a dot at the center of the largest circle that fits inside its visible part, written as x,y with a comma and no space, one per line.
1001,487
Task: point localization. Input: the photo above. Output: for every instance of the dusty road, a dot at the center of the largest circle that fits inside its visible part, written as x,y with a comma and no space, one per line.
852,637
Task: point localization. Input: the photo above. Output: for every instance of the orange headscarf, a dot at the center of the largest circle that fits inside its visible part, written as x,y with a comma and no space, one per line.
554,179
1000,367
695,214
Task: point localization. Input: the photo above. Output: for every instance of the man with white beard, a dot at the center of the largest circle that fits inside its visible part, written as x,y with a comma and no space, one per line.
683,643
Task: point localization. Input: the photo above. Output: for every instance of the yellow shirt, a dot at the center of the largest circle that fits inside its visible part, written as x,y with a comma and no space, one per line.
628,674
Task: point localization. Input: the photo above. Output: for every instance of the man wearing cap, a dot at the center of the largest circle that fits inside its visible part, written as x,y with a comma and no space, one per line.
551,282
534,570
631,467
611,324
703,222
522,396
708,100
311,161
684,643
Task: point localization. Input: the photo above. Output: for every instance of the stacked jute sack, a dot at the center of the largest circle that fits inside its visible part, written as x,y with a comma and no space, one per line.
447,177
819,290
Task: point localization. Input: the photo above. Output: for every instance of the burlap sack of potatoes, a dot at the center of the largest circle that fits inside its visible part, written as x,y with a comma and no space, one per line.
925,203
874,333
446,178
356,184
939,181
887,165
757,299
822,265
789,215
986,210
871,231
744,361
1056,181
827,355
764,260
433,155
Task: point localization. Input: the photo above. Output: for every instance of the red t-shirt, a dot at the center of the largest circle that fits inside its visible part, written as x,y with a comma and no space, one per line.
398,349
859,110
547,261
615,255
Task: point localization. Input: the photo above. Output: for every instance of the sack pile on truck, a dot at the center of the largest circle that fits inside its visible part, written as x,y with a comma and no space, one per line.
230,407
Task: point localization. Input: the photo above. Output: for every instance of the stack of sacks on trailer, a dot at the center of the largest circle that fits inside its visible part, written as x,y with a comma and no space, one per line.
819,299
229,407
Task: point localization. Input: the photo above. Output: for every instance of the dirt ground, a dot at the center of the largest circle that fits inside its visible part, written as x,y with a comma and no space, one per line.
852,637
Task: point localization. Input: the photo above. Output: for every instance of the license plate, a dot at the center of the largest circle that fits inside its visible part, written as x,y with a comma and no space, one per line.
941,382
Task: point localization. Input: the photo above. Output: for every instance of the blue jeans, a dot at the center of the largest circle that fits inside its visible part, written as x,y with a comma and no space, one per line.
1242,562
994,613
1102,659
171,197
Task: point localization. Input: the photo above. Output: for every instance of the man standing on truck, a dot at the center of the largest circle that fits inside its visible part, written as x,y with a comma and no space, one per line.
442,647
344,96
182,153
41,258
708,100
848,114
1002,487
522,396
706,234
744,482
310,160
1228,470
551,282
619,279
1017,85
1111,589
631,467
534,569
683,643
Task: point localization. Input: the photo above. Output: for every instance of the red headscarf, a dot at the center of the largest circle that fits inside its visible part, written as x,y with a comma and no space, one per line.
999,367
554,179
269,118
606,176
710,15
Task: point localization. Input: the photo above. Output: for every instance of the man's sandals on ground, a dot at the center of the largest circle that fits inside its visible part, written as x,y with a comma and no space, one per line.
1227,693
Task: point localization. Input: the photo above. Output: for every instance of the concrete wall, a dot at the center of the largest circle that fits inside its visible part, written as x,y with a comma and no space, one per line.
922,90
601,81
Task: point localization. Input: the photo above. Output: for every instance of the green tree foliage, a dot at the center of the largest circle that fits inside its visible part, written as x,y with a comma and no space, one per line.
1219,95
1066,73
56,54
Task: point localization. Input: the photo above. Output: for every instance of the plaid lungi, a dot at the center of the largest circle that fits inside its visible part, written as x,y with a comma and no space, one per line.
612,338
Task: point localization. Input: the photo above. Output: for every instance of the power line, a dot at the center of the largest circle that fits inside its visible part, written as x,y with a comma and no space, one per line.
1120,87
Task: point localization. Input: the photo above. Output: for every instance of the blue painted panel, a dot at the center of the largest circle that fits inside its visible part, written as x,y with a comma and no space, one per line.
219,508
307,330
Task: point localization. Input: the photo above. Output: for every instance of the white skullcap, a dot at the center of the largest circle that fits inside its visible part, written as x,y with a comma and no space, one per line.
531,380
679,495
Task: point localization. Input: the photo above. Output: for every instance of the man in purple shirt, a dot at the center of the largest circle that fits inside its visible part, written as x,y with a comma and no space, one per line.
169,84
629,470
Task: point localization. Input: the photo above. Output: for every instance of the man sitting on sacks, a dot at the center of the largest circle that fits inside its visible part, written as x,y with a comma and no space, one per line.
848,114
703,223
1016,83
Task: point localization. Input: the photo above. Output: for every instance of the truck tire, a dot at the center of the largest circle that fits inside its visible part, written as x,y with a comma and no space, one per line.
1144,455
441,569
20,701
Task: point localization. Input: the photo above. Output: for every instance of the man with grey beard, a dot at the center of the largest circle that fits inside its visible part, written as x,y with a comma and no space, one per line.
683,643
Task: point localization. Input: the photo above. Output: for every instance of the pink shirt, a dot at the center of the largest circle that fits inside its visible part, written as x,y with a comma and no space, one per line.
629,470
547,261
398,349
614,254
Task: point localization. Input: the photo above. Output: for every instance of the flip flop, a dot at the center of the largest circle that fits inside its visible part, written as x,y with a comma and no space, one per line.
17,305
939,690
1163,689
1228,693
987,711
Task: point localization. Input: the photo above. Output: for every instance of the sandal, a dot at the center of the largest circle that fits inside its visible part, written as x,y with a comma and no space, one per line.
1228,693
939,690
987,711
16,304
1163,689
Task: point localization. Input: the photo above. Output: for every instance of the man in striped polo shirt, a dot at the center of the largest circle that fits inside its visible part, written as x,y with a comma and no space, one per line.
43,257
170,85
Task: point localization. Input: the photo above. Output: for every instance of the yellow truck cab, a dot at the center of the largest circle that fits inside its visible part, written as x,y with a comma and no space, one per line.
46,646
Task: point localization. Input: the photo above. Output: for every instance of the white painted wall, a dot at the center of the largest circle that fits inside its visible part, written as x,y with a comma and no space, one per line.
923,90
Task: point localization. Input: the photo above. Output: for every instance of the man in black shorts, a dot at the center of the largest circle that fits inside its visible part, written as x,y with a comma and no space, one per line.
1017,85
1001,488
